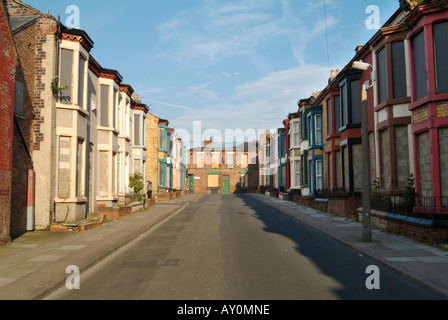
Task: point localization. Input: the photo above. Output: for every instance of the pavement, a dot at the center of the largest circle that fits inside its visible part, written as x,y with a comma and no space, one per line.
35,265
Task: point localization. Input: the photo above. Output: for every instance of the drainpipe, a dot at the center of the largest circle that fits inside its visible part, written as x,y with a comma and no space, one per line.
30,209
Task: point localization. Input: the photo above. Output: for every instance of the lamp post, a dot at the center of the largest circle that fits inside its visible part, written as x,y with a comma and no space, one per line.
366,195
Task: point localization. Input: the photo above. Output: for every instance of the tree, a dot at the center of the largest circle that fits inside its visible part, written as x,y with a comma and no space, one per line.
137,185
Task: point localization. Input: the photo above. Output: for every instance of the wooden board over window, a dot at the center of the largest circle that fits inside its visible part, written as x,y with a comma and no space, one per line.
213,181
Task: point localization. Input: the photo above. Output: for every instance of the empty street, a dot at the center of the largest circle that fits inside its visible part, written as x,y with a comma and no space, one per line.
233,247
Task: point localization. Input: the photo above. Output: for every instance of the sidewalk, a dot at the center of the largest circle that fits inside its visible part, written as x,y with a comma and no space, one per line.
423,264
34,265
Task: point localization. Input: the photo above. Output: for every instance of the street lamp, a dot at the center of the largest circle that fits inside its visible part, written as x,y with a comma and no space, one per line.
366,195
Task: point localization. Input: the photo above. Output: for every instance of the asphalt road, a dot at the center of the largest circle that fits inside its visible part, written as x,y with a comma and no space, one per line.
229,247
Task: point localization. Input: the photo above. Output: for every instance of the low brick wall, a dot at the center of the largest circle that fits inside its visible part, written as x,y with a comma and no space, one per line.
422,230
343,207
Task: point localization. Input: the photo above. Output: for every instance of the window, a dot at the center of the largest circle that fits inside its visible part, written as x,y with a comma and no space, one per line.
244,182
161,174
200,159
229,159
161,139
319,175
441,56
329,118
318,129
18,99
350,108
213,181
104,116
344,105
304,161
64,167
297,173
169,144
81,81
296,134
215,159
244,160
114,174
281,145
137,133
420,74
337,113
355,102
80,170
382,75
399,70
114,108
66,76
304,126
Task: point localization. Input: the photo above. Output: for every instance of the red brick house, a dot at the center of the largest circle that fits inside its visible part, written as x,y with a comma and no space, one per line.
8,66
223,168
428,52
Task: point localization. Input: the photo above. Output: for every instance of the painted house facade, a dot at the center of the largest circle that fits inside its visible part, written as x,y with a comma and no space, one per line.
427,49
407,118
83,129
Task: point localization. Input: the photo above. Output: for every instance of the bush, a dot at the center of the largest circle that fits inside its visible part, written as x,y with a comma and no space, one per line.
137,185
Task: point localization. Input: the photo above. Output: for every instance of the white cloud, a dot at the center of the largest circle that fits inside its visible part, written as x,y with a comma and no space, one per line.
213,33
261,104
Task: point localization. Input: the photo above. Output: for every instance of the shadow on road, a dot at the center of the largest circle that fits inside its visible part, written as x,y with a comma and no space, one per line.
333,259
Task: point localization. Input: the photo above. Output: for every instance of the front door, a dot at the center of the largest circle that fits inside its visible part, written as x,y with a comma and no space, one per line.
191,183
225,185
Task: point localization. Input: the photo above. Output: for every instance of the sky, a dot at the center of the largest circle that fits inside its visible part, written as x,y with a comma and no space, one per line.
217,66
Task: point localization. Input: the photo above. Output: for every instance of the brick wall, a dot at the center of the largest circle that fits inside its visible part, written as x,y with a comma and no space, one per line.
421,114
7,89
443,145
424,160
152,144
25,42
442,109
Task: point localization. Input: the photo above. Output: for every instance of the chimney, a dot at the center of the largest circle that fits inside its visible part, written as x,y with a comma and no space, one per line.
207,142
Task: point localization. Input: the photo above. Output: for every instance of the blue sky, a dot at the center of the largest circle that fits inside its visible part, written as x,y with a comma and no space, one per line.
231,64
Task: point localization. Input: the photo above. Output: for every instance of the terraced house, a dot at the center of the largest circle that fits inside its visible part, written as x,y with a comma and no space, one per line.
407,121
80,130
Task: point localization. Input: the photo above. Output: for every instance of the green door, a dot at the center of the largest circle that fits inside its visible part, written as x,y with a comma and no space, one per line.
191,183
225,185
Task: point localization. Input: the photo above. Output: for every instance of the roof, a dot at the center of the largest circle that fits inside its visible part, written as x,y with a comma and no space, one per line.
19,23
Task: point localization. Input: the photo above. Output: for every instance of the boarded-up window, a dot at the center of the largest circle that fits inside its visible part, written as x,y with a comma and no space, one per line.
82,72
64,167
385,162
114,108
66,78
137,133
104,174
80,171
402,156
104,121
161,174
213,181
